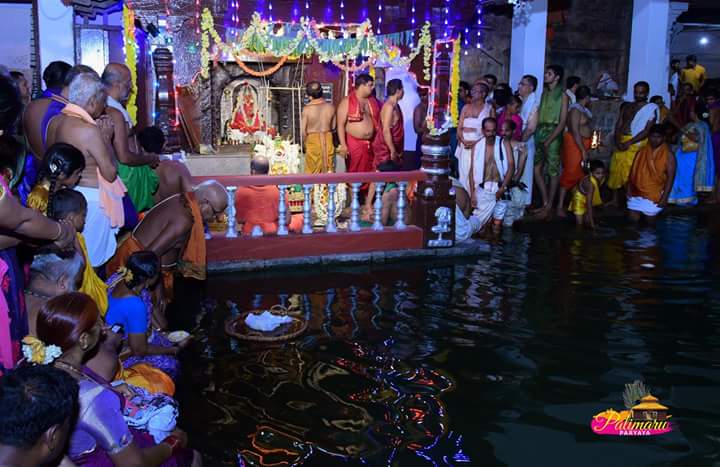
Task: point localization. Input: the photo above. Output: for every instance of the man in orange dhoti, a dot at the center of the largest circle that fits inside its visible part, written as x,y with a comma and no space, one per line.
358,119
174,230
576,143
651,177
318,121
256,207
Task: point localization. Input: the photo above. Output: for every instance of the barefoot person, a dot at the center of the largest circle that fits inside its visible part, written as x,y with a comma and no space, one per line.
631,131
358,119
174,230
576,143
469,134
389,143
552,119
586,195
493,169
529,114
99,184
651,177
134,167
316,126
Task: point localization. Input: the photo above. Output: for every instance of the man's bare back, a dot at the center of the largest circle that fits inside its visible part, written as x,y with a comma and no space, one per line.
318,117
174,179
32,121
88,139
165,229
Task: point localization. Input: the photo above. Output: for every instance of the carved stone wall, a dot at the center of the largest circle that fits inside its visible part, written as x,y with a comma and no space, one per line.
591,36
495,43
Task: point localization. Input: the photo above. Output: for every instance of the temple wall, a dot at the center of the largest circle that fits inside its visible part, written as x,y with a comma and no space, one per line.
494,56
591,37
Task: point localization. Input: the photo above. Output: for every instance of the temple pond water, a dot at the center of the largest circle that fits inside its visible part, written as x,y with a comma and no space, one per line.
496,360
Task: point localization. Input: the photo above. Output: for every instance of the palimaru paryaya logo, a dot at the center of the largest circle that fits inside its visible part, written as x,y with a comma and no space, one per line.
644,415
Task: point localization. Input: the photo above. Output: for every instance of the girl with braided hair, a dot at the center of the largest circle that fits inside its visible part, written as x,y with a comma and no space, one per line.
61,168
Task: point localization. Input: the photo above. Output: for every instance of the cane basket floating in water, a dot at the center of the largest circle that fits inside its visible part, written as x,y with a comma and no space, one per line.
236,327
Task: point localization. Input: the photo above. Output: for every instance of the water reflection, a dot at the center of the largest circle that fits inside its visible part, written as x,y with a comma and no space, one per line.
459,361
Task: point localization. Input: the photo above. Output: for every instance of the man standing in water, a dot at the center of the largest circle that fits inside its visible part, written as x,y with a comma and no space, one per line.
358,118
631,131
651,177
493,171
317,124
552,118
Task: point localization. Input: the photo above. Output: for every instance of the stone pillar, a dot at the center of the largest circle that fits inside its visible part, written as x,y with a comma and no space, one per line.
433,208
527,49
55,32
650,45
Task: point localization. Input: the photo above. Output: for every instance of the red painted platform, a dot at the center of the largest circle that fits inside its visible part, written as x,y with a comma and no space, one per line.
243,248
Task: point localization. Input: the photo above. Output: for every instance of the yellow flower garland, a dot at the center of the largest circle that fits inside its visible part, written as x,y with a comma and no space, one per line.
130,59
455,82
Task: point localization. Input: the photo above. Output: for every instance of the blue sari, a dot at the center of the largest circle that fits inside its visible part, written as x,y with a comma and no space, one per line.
695,168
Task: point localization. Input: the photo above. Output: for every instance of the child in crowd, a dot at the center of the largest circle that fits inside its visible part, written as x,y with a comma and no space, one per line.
511,114
586,195
61,168
71,205
509,130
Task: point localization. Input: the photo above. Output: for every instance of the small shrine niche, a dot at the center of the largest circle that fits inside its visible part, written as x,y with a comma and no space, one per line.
245,111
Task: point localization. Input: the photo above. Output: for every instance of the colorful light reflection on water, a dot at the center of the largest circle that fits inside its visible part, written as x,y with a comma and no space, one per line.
499,360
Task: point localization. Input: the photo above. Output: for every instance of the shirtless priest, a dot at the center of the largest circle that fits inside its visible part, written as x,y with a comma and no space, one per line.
317,125
358,119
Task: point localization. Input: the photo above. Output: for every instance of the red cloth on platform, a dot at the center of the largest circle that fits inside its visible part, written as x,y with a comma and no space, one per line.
381,152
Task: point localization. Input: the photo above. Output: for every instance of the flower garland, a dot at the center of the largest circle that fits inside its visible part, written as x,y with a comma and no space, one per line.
130,59
260,74
455,82
426,43
261,38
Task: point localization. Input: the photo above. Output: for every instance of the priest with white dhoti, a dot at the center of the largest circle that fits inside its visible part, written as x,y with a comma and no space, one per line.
491,171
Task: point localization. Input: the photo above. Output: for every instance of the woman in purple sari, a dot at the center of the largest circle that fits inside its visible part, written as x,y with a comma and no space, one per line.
101,436
130,305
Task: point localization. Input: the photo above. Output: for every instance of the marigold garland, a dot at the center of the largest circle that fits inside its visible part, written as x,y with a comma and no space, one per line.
260,38
130,59
260,74
455,83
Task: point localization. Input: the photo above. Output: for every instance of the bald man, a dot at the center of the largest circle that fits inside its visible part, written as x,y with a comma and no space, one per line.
135,167
76,125
317,124
256,207
174,230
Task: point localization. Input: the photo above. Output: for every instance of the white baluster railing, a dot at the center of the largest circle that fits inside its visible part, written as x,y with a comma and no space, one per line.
379,188
331,227
231,231
307,210
400,222
282,212
355,208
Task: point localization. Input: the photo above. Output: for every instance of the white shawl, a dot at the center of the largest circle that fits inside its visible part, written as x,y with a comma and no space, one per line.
648,112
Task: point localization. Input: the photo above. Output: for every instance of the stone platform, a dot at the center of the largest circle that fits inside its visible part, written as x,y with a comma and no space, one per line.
228,160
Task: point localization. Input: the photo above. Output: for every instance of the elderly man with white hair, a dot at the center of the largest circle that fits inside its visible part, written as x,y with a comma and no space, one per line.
99,184
174,230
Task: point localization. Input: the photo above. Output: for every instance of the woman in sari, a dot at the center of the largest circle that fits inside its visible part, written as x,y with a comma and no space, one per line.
69,325
61,168
695,162
130,305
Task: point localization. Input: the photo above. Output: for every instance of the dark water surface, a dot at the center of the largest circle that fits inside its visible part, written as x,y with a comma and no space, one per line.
498,360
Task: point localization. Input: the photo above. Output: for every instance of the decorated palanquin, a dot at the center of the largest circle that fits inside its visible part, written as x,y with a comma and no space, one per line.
284,158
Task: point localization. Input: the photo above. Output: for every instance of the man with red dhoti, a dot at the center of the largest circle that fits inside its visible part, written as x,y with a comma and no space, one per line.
390,141
358,120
